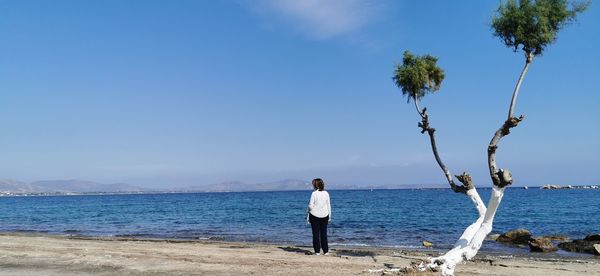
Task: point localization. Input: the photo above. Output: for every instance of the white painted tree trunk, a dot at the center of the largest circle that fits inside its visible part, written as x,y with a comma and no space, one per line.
472,238
448,262
474,196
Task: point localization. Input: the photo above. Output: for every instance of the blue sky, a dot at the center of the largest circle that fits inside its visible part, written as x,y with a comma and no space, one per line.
175,93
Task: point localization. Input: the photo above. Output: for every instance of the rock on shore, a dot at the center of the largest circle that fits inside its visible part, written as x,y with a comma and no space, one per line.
589,244
542,245
515,237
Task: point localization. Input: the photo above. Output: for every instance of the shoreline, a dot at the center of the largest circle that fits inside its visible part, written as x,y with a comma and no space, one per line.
517,252
27,254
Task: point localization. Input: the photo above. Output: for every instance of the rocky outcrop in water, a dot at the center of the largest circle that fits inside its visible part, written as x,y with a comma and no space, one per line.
521,237
551,187
589,245
515,237
492,237
558,238
593,237
558,187
542,244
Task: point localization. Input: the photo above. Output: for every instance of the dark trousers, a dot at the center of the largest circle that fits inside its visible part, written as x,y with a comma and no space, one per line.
319,232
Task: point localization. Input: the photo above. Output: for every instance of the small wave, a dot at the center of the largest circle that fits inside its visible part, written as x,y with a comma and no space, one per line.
138,235
407,246
350,244
30,231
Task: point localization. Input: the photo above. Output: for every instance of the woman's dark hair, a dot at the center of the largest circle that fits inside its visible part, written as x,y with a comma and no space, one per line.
318,184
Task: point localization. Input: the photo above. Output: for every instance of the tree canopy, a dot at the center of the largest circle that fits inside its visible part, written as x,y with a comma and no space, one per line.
533,25
418,75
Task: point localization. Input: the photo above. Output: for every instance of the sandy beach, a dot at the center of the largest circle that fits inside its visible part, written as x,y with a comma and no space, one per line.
34,254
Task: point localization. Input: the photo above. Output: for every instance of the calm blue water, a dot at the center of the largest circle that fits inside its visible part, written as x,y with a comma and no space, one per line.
401,218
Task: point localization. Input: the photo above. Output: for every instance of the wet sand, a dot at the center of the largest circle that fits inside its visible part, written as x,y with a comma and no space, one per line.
35,254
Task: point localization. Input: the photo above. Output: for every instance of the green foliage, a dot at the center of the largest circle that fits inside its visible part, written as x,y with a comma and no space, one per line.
418,75
533,24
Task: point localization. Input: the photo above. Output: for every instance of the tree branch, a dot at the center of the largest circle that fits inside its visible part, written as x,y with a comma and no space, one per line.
464,178
501,178
513,101
418,108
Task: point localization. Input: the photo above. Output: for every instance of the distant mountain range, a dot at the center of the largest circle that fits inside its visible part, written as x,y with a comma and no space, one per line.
64,187
13,187
85,187
289,185
238,186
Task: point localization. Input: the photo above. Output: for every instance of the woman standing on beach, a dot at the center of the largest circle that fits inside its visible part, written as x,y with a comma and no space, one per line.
319,215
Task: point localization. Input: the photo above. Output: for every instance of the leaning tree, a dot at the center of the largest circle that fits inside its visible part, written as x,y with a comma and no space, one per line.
527,26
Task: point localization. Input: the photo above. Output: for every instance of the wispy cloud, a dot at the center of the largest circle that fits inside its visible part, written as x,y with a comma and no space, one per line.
322,19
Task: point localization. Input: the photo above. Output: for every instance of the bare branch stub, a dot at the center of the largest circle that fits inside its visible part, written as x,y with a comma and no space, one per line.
504,177
424,124
466,180
458,188
510,123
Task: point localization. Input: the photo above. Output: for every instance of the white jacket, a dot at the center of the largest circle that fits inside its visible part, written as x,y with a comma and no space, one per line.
319,204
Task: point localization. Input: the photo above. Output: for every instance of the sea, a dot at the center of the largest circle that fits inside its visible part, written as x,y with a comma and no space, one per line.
400,218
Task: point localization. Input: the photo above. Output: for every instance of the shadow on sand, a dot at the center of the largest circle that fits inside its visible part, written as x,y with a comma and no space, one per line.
355,253
296,250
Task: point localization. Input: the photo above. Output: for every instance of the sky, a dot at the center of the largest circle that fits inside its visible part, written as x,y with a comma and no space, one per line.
177,93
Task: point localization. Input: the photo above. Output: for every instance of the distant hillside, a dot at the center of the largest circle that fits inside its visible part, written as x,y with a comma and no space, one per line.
63,186
13,186
73,186
238,186
290,185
